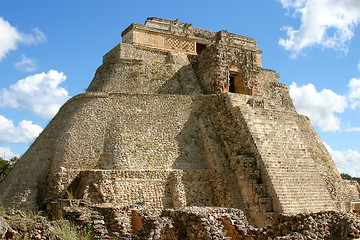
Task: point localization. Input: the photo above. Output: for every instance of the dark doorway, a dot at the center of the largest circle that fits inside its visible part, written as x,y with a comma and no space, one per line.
200,47
232,84
237,84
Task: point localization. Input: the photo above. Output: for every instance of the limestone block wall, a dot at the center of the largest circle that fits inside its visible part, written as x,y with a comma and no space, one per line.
206,69
217,62
269,87
36,164
153,131
129,51
124,188
165,74
79,143
148,188
95,131
239,43
139,132
267,75
126,131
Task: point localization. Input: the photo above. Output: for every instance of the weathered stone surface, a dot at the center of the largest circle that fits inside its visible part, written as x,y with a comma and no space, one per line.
213,223
107,221
4,227
178,116
18,225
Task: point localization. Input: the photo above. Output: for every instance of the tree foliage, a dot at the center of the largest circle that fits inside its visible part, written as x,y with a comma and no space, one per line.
348,177
7,165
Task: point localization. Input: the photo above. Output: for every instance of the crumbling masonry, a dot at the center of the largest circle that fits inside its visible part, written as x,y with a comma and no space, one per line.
178,116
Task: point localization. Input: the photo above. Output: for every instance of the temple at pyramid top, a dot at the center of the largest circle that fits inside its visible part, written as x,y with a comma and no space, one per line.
222,61
174,35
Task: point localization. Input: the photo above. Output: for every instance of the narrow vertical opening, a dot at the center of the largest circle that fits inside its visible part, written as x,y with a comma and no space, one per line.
232,84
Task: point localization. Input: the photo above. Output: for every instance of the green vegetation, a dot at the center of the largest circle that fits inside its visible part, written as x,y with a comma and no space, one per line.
6,166
135,73
70,195
27,225
348,177
69,231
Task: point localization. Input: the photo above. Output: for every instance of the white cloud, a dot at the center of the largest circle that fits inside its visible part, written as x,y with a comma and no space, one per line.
26,64
37,37
295,4
354,92
347,161
354,86
25,132
39,94
6,153
355,129
10,37
326,23
320,107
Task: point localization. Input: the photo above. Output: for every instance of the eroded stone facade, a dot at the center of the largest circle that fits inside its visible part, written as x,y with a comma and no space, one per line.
179,116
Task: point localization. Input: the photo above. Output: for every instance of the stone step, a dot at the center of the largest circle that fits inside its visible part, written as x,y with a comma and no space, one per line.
307,204
304,203
290,197
293,178
295,175
276,166
303,195
312,189
320,205
292,170
296,182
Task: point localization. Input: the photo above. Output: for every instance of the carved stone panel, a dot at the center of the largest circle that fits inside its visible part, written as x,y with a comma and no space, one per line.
179,44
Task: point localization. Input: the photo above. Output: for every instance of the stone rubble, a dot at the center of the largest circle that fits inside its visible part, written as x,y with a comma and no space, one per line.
17,225
109,222
210,223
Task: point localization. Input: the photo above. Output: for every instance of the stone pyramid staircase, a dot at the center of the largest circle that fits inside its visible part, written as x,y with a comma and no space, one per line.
294,176
230,152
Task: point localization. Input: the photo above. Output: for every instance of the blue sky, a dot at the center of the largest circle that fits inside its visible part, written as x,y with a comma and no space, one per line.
50,50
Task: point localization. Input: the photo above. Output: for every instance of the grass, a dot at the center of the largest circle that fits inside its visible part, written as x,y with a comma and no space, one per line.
63,229
70,195
69,231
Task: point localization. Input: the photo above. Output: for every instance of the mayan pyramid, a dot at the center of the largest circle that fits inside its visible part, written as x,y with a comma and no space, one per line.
180,116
